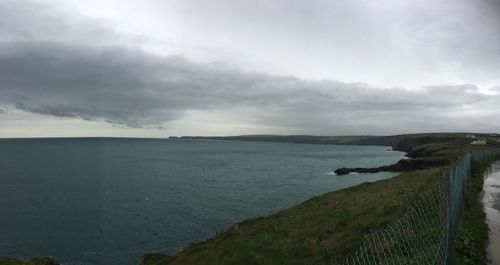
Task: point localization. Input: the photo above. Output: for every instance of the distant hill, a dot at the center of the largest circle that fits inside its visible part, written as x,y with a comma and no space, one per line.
404,142
302,139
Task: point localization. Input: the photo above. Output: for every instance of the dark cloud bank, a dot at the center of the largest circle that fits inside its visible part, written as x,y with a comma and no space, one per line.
103,81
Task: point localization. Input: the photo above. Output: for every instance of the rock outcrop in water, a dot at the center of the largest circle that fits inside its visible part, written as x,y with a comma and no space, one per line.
35,261
400,166
424,150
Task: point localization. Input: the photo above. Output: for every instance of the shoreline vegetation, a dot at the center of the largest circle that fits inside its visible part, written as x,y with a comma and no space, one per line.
472,233
327,228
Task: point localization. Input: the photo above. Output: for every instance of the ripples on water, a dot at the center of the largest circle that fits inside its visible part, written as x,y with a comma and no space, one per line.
109,201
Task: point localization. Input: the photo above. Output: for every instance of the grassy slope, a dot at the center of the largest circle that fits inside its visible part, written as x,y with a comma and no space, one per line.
321,230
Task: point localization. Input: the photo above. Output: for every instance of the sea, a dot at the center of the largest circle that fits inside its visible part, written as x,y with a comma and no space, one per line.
100,201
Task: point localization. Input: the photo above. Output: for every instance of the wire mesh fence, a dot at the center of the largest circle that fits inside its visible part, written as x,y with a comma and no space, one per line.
424,235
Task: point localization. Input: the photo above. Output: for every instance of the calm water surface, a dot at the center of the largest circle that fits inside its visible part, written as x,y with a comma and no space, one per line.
109,201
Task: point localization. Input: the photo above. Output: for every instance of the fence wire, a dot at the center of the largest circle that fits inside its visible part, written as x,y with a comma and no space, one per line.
424,235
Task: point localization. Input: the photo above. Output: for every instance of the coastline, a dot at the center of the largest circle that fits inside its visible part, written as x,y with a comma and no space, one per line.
322,229
440,147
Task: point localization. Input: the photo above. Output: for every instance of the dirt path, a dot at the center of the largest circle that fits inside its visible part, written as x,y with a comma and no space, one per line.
491,201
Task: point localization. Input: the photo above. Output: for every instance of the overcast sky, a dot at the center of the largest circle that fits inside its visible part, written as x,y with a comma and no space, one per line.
154,68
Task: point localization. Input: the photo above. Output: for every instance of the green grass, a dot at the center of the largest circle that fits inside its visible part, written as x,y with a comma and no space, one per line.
322,230
472,237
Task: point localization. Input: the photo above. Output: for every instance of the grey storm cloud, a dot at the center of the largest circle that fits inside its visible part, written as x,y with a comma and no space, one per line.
77,70
34,20
134,88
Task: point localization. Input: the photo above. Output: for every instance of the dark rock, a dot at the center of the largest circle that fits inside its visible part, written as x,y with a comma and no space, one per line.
152,258
42,261
35,261
400,166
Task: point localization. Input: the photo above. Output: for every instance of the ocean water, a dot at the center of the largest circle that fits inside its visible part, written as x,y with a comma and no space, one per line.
108,201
